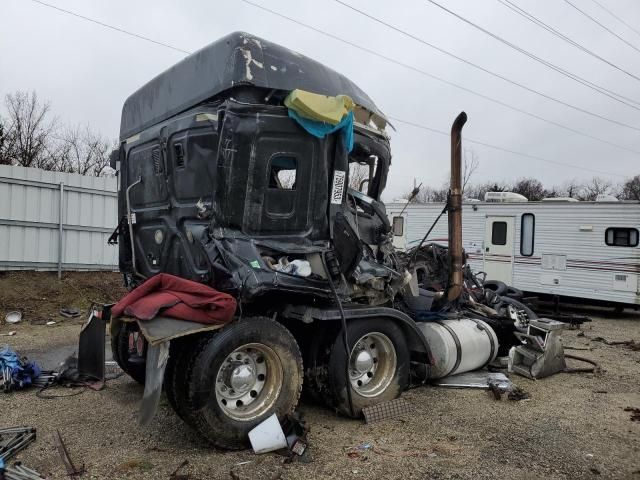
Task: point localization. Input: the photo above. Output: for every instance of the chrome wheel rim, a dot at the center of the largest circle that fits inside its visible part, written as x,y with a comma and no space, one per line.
372,364
249,381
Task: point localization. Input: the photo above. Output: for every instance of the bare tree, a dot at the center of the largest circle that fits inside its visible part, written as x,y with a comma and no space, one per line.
83,151
471,164
531,188
28,132
478,190
429,194
630,189
570,188
5,146
597,186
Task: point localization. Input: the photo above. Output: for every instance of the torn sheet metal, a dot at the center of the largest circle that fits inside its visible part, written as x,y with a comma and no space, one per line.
163,329
157,357
477,379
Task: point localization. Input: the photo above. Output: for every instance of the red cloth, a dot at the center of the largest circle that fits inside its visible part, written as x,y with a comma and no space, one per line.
177,298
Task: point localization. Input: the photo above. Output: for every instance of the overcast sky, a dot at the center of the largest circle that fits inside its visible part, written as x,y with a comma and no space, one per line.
86,71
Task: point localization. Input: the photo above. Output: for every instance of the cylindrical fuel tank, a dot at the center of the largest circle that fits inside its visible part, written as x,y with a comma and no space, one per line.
460,345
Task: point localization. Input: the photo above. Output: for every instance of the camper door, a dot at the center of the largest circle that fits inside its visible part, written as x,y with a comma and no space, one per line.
498,248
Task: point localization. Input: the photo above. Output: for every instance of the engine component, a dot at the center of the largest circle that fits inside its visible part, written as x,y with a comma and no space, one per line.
542,353
459,346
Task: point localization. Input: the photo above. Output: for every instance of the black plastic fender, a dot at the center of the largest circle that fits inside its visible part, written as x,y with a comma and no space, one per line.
419,349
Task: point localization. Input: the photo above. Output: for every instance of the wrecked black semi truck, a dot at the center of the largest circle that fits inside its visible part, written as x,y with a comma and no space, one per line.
220,184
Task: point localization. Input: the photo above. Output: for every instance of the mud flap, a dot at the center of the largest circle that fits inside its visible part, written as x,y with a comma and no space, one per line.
157,356
91,346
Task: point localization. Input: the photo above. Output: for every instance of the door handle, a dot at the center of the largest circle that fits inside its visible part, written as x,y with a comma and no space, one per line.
486,249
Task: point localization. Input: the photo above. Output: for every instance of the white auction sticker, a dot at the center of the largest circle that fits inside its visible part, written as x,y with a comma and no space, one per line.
338,187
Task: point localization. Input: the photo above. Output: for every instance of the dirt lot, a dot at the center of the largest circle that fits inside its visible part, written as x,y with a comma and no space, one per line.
574,425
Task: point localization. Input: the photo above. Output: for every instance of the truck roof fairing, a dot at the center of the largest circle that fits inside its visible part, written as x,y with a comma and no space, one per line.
234,60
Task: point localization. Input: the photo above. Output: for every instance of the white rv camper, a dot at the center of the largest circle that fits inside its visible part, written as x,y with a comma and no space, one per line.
560,247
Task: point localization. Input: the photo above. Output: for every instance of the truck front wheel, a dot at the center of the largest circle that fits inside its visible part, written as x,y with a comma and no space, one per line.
377,365
243,374
129,350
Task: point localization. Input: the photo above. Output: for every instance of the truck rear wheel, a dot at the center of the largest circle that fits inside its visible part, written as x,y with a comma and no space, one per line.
243,374
378,365
129,350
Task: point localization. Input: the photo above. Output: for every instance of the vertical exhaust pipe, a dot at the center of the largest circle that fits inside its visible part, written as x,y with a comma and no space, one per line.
454,288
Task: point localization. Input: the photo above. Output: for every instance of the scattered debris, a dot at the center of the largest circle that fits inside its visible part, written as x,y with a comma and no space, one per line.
17,373
517,394
359,452
20,472
632,344
64,455
541,353
296,431
594,369
70,312
267,436
476,379
635,413
176,475
13,317
50,322
611,342
13,440
385,410
8,334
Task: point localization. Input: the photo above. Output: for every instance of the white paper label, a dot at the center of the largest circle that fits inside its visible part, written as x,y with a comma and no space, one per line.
133,218
338,187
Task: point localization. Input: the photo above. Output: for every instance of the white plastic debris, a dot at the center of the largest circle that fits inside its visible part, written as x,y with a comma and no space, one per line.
267,436
13,317
301,268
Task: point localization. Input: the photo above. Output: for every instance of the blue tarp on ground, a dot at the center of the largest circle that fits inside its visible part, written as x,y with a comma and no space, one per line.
22,373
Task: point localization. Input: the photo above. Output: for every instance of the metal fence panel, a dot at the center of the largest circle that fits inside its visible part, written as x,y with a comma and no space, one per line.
32,220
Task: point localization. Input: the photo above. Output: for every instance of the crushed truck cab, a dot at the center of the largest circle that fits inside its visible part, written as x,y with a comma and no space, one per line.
236,170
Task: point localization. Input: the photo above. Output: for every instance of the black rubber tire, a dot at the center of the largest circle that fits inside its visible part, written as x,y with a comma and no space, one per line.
513,292
181,355
337,375
200,408
121,354
500,288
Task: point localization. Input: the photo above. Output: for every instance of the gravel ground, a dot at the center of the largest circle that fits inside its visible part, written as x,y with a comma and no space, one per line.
574,426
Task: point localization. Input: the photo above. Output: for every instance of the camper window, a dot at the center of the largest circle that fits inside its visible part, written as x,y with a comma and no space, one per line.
398,226
621,237
499,233
527,230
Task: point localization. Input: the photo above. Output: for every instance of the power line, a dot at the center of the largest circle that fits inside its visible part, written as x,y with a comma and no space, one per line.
598,88
506,150
490,72
594,20
435,77
616,16
126,32
523,13
381,56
